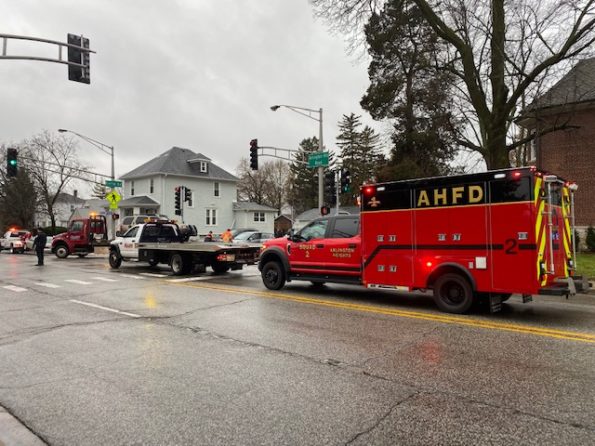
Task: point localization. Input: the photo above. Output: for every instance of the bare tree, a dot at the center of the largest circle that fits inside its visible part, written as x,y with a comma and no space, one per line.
52,163
267,186
501,52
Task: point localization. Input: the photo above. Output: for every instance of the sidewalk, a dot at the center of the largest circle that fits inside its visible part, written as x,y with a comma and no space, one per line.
14,433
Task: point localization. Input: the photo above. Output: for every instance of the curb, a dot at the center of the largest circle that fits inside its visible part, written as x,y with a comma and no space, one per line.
15,433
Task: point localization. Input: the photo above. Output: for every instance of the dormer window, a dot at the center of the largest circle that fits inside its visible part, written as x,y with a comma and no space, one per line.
203,167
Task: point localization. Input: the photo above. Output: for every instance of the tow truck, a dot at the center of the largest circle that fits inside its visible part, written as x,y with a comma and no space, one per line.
82,236
466,237
165,242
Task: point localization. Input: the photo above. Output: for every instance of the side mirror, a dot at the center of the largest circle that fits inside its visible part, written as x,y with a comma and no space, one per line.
118,234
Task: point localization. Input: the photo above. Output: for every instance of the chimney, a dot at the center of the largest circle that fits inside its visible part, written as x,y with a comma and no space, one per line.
76,193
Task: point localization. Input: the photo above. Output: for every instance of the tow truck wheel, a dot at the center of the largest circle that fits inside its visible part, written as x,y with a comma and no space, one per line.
62,251
273,275
219,268
114,259
179,265
453,293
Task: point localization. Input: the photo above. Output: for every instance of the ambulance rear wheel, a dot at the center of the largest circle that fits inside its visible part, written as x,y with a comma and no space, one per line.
273,275
453,293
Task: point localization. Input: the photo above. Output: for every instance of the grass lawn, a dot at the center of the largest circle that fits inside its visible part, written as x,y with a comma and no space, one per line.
586,264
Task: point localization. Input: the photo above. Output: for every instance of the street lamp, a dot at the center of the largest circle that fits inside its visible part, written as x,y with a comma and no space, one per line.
105,149
308,112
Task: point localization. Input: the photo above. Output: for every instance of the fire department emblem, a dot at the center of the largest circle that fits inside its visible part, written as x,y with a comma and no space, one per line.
373,203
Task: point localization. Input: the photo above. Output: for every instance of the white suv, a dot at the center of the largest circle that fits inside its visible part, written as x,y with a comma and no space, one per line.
14,240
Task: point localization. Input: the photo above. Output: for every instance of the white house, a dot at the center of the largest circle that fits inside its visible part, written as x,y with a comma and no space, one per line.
63,207
254,215
150,189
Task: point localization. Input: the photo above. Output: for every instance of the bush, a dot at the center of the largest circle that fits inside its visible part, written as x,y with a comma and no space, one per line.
591,238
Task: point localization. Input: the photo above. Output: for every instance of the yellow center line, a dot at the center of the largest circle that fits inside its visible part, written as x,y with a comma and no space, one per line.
443,318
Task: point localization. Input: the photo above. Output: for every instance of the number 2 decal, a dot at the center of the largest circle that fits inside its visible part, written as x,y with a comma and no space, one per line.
510,246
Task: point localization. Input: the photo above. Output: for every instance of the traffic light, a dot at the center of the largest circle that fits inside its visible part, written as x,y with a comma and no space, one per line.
329,187
325,210
345,180
80,72
178,202
11,162
187,194
254,154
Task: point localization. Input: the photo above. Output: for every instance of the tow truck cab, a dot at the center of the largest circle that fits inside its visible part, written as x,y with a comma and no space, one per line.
82,236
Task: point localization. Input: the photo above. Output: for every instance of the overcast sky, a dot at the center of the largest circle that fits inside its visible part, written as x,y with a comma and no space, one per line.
199,74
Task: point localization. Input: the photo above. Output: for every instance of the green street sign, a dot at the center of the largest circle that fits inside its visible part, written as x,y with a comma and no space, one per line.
113,183
318,159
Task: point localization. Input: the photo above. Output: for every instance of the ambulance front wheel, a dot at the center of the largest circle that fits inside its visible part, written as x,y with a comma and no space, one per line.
453,293
273,275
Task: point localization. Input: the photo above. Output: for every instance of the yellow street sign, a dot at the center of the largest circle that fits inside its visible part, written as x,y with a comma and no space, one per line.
113,197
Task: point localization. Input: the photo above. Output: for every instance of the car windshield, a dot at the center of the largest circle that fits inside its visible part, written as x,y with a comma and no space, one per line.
243,236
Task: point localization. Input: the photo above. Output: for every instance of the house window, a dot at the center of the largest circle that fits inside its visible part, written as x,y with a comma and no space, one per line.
216,189
259,216
211,217
203,166
132,188
152,186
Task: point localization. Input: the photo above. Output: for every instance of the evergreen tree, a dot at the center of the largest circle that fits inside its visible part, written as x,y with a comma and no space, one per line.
406,86
18,201
359,153
303,182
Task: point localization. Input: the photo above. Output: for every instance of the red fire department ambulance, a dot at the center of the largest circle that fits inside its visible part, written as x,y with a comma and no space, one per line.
489,235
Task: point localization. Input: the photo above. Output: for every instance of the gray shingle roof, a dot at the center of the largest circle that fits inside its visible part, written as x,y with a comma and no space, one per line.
175,162
249,206
141,200
577,86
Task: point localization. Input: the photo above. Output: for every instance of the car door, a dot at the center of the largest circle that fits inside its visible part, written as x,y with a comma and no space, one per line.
129,245
342,248
305,249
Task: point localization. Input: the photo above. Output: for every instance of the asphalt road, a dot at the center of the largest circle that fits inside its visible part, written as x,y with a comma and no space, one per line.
136,356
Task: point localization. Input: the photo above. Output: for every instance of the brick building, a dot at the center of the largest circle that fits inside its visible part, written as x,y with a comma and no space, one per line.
570,152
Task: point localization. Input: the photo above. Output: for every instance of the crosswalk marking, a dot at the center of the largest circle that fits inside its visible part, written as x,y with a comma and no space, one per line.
104,279
113,310
48,285
154,275
78,282
191,279
16,289
132,276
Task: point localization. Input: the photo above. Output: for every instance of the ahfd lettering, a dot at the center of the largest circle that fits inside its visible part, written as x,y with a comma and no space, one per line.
450,196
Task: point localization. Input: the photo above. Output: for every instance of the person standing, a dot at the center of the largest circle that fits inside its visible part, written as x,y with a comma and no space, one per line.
227,236
39,245
209,237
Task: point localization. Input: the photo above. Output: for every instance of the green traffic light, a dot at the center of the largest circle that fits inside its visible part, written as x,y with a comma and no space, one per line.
13,162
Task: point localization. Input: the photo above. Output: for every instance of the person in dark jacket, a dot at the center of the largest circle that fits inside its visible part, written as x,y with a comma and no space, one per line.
39,245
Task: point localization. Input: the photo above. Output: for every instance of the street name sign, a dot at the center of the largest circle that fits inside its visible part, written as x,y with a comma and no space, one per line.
318,159
113,183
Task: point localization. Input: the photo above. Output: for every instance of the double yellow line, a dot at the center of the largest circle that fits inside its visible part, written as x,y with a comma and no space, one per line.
442,318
